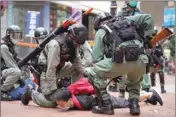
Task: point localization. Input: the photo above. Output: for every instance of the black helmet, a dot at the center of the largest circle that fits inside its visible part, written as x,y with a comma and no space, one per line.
100,18
40,32
13,28
78,33
14,31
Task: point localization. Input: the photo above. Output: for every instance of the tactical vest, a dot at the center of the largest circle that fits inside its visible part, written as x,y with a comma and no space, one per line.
118,30
12,51
67,50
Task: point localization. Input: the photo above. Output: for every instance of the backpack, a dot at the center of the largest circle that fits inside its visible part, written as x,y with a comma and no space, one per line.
118,30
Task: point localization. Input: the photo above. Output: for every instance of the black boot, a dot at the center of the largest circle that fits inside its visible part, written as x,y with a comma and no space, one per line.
163,90
26,96
134,107
162,81
155,98
105,107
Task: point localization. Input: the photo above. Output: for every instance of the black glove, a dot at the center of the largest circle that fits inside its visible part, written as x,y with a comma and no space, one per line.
64,82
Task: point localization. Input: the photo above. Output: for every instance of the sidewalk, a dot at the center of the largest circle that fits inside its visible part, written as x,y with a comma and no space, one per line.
14,109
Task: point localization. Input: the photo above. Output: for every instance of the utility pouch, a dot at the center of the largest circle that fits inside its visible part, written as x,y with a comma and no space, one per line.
132,52
118,55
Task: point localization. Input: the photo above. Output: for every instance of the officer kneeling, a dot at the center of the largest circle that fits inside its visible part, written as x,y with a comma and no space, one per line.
9,69
61,59
119,50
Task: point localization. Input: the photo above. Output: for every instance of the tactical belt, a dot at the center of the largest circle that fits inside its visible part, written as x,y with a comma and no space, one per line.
129,53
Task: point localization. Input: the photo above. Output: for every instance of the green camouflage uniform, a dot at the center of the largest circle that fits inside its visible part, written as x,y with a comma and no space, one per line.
104,68
146,83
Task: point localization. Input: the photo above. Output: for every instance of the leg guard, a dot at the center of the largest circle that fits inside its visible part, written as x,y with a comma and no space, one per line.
161,75
104,104
152,76
162,81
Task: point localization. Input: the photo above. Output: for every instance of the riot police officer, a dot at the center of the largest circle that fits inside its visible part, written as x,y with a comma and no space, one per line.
39,34
62,59
9,69
130,10
158,61
109,62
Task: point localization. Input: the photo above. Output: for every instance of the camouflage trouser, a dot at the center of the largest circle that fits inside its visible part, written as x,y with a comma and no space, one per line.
146,82
105,69
11,76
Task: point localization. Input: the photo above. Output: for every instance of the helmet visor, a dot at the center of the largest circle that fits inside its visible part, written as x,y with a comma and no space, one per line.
17,35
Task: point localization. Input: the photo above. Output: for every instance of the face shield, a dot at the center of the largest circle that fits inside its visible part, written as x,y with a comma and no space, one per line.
40,39
79,36
15,36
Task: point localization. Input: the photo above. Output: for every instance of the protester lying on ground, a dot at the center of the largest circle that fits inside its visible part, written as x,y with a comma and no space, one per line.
80,95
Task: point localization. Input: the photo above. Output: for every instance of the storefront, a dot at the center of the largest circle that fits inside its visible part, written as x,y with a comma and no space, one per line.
58,13
28,16
22,13
169,18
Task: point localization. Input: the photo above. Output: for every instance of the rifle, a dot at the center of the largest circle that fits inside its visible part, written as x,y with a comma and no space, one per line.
63,28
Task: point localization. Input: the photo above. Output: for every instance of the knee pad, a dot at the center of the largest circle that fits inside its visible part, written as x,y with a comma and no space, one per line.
16,72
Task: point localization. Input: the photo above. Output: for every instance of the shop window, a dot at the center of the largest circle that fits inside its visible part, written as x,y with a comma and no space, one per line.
61,16
91,27
53,19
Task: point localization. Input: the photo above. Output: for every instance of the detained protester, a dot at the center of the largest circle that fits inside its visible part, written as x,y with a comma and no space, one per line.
80,96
